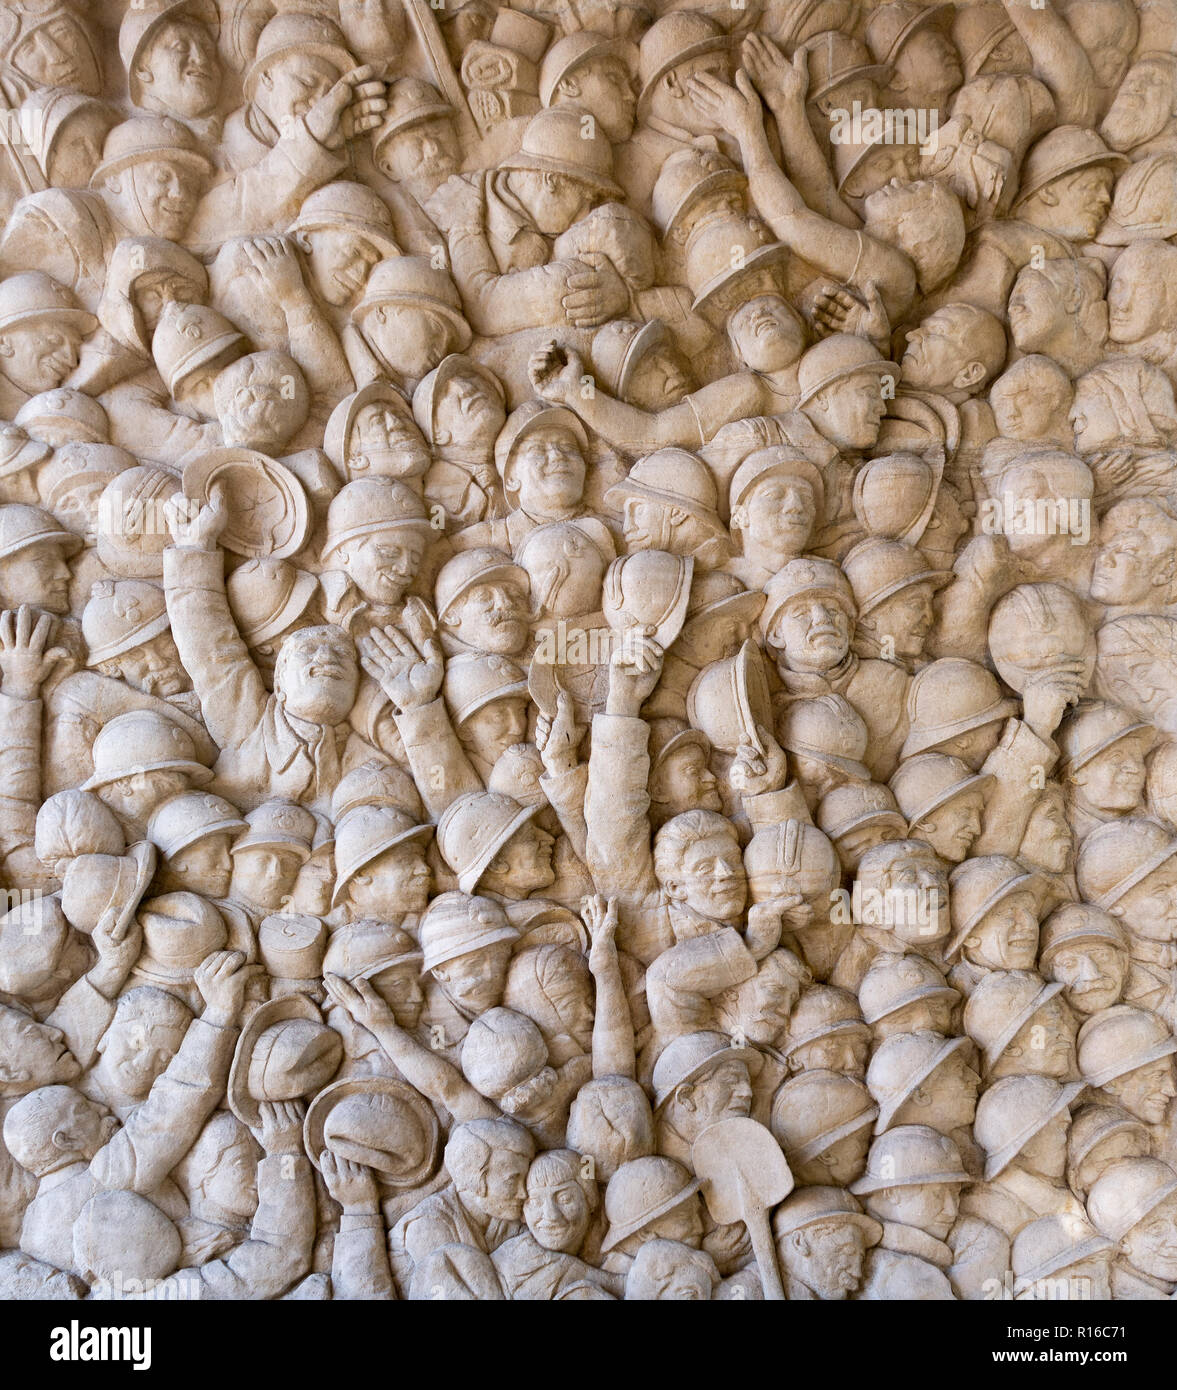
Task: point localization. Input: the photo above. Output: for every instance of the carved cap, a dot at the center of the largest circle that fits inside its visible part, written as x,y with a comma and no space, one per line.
22,527
930,780
813,1110
1074,923
1118,1040
352,207
285,1051
179,931
476,679
482,565
1012,1111
370,505
1117,856
692,1055
893,982
182,820
456,924
828,729
1003,1003
822,1011
672,40
833,58
267,595
79,415
410,102
474,828
32,936
364,834
574,50
837,357
361,950
813,1206
1126,1192
890,26
1095,726
32,296
950,697
1055,1242
149,137
501,1050
187,337
413,282
555,143
375,784
857,804
529,417
640,1192
120,615
146,18
143,741
878,568
909,1156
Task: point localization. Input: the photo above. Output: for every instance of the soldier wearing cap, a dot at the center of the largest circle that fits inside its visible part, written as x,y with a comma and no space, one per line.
924,1078
1022,1126
1061,1251
785,862
410,318
1133,1203
822,1240
371,433
699,1079
807,625
416,145
594,72
1128,869
291,743
856,816
380,867
912,1187
1021,1026
389,959
481,1206
270,599
899,904
57,1132
649,1199
541,457
140,758
343,231
775,502
1126,1057
499,224
823,1121
193,833
1100,1135
169,51
47,45
893,588
942,801
481,599
376,536
1087,951
151,179
303,93
668,502
906,994
268,854
125,624
41,332
994,919
1103,751
671,52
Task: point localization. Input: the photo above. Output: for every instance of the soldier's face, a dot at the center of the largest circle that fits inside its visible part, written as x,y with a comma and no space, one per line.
932,1014
1046,1152
1036,312
855,843
137,1050
1150,909
314,885
467,412
766,333
932,1206
843,1052
1092,974
1147,1091
711,878
232,1184
400,989
317,674
813,632
384,445
58,54
604,89
842,1163
35,1054
166,194
291,85
1047,841
849,412
383,564
340,263
778,514
1151,1245
205,866
684,782
1125,562
1023,408
546,472
154,667
1043,1046
831,1257
474,981
557,1215
393,884
905,619
494,728
662,378
265,876
77,149
179,71
1114,780
724,1092
492,617
410,341
524,864
1006,938
683,1223
1073,205
428,151
506,1179
38,575
38,356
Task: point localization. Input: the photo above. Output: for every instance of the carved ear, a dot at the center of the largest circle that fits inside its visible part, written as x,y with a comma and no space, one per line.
672,84
5,346
970,374
145,76
568,87
63,1139
303,241
1048,196
739,517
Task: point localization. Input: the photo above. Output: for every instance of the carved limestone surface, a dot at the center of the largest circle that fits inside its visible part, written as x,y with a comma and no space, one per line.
588,649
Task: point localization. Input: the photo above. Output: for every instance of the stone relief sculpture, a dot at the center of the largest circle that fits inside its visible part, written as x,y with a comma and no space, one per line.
588,650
